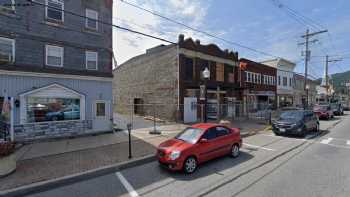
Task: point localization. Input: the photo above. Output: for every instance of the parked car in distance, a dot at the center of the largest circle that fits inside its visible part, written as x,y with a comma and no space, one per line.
324,111
197,144
297,122
337,109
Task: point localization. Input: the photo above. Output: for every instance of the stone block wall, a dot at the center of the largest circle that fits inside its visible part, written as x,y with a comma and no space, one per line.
152,78
48,130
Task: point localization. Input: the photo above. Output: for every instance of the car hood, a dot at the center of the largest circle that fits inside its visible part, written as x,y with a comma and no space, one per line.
174,144
287,121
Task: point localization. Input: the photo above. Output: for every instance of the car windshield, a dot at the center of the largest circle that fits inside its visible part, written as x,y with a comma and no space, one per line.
321,107
190,135
295,115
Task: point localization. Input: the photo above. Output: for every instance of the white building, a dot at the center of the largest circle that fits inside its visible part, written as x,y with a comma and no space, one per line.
285,80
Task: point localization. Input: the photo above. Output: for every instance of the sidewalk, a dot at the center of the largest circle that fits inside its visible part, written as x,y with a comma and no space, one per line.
49,160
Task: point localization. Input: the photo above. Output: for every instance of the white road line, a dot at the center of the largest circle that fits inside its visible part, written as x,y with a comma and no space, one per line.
127,185
326,141
348,142
259,147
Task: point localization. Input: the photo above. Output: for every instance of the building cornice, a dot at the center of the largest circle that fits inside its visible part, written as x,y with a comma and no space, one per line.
201,55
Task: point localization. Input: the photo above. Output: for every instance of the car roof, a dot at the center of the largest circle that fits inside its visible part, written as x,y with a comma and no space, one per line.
205,125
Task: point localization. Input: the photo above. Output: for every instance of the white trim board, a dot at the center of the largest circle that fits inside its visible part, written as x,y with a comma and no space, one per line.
49,75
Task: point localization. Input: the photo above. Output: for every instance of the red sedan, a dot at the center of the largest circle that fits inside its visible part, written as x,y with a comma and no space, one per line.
197,144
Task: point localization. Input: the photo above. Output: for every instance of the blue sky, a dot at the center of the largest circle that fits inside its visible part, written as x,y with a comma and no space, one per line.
259,24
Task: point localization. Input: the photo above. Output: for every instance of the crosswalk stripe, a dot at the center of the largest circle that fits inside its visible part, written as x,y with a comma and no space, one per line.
326,141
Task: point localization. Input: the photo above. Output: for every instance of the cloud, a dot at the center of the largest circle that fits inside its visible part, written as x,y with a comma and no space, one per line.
128,45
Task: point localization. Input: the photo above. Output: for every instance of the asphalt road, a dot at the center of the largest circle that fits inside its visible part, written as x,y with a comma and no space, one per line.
268,166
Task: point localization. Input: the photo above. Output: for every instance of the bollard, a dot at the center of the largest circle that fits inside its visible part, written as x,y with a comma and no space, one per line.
129,132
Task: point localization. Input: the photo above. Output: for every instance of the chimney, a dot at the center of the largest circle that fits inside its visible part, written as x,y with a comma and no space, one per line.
198,42
181,38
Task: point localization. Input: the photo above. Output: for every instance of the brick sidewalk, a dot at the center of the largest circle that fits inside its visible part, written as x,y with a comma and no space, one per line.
50,160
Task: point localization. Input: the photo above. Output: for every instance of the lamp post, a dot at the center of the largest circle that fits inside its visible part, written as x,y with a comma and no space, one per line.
206,76
307,87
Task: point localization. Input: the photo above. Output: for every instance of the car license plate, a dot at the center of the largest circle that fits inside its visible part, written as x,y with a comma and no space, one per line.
282,130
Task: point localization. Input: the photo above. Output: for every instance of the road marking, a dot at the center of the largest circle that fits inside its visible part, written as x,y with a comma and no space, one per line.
348,142
326,141
260,147
127,185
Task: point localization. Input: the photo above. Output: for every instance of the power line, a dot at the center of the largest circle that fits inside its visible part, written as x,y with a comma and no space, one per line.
198,30
103,22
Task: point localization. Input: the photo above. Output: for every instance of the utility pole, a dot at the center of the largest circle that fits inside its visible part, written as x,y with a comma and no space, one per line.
307,37
326,73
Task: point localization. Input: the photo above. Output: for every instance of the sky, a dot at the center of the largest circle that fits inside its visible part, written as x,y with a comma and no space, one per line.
258,24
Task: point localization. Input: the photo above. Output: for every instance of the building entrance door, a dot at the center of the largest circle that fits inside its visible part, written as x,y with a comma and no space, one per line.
190,109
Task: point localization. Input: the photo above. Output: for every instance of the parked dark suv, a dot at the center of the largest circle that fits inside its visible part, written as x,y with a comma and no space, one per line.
337,109
297,122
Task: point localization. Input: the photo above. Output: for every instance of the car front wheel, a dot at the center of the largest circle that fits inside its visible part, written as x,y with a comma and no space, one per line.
235,151
190,165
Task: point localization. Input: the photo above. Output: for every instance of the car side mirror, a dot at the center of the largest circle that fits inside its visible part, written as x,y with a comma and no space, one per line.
203,140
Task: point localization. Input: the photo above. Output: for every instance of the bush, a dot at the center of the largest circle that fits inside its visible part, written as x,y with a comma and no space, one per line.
6,148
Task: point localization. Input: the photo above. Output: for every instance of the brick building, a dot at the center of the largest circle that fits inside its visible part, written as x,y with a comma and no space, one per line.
171,75
258,85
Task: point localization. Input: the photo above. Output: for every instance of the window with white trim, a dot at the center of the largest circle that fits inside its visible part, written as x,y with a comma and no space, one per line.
7,50
7,5
91,19
100,109
91,60
55,10
54,55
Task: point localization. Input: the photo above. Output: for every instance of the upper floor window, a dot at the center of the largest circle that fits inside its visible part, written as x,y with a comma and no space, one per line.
54,55
55,10
91,19
290,82
285,81
7,50
220,72
91,59
188,68
279,80
7,5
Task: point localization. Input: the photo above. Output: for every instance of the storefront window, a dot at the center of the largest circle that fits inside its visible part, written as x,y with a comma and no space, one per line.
52,109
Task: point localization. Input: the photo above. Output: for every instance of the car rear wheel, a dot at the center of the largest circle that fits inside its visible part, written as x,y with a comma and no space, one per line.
235,151
317,128
190,165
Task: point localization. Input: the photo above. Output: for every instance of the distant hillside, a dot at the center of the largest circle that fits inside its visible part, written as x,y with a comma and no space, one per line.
338,79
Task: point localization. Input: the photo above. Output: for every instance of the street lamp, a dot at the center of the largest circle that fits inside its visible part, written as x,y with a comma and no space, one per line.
307,87
206,76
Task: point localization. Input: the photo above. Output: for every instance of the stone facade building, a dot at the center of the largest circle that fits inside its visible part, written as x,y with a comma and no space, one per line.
170,76
56,67
258,83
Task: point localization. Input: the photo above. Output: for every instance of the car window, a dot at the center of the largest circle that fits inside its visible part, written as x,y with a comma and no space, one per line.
221,131
210,134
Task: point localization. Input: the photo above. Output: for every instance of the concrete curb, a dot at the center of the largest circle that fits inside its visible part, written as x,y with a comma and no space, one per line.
70,179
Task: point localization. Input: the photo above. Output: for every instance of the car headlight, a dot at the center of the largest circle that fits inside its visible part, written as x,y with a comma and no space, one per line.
174,155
